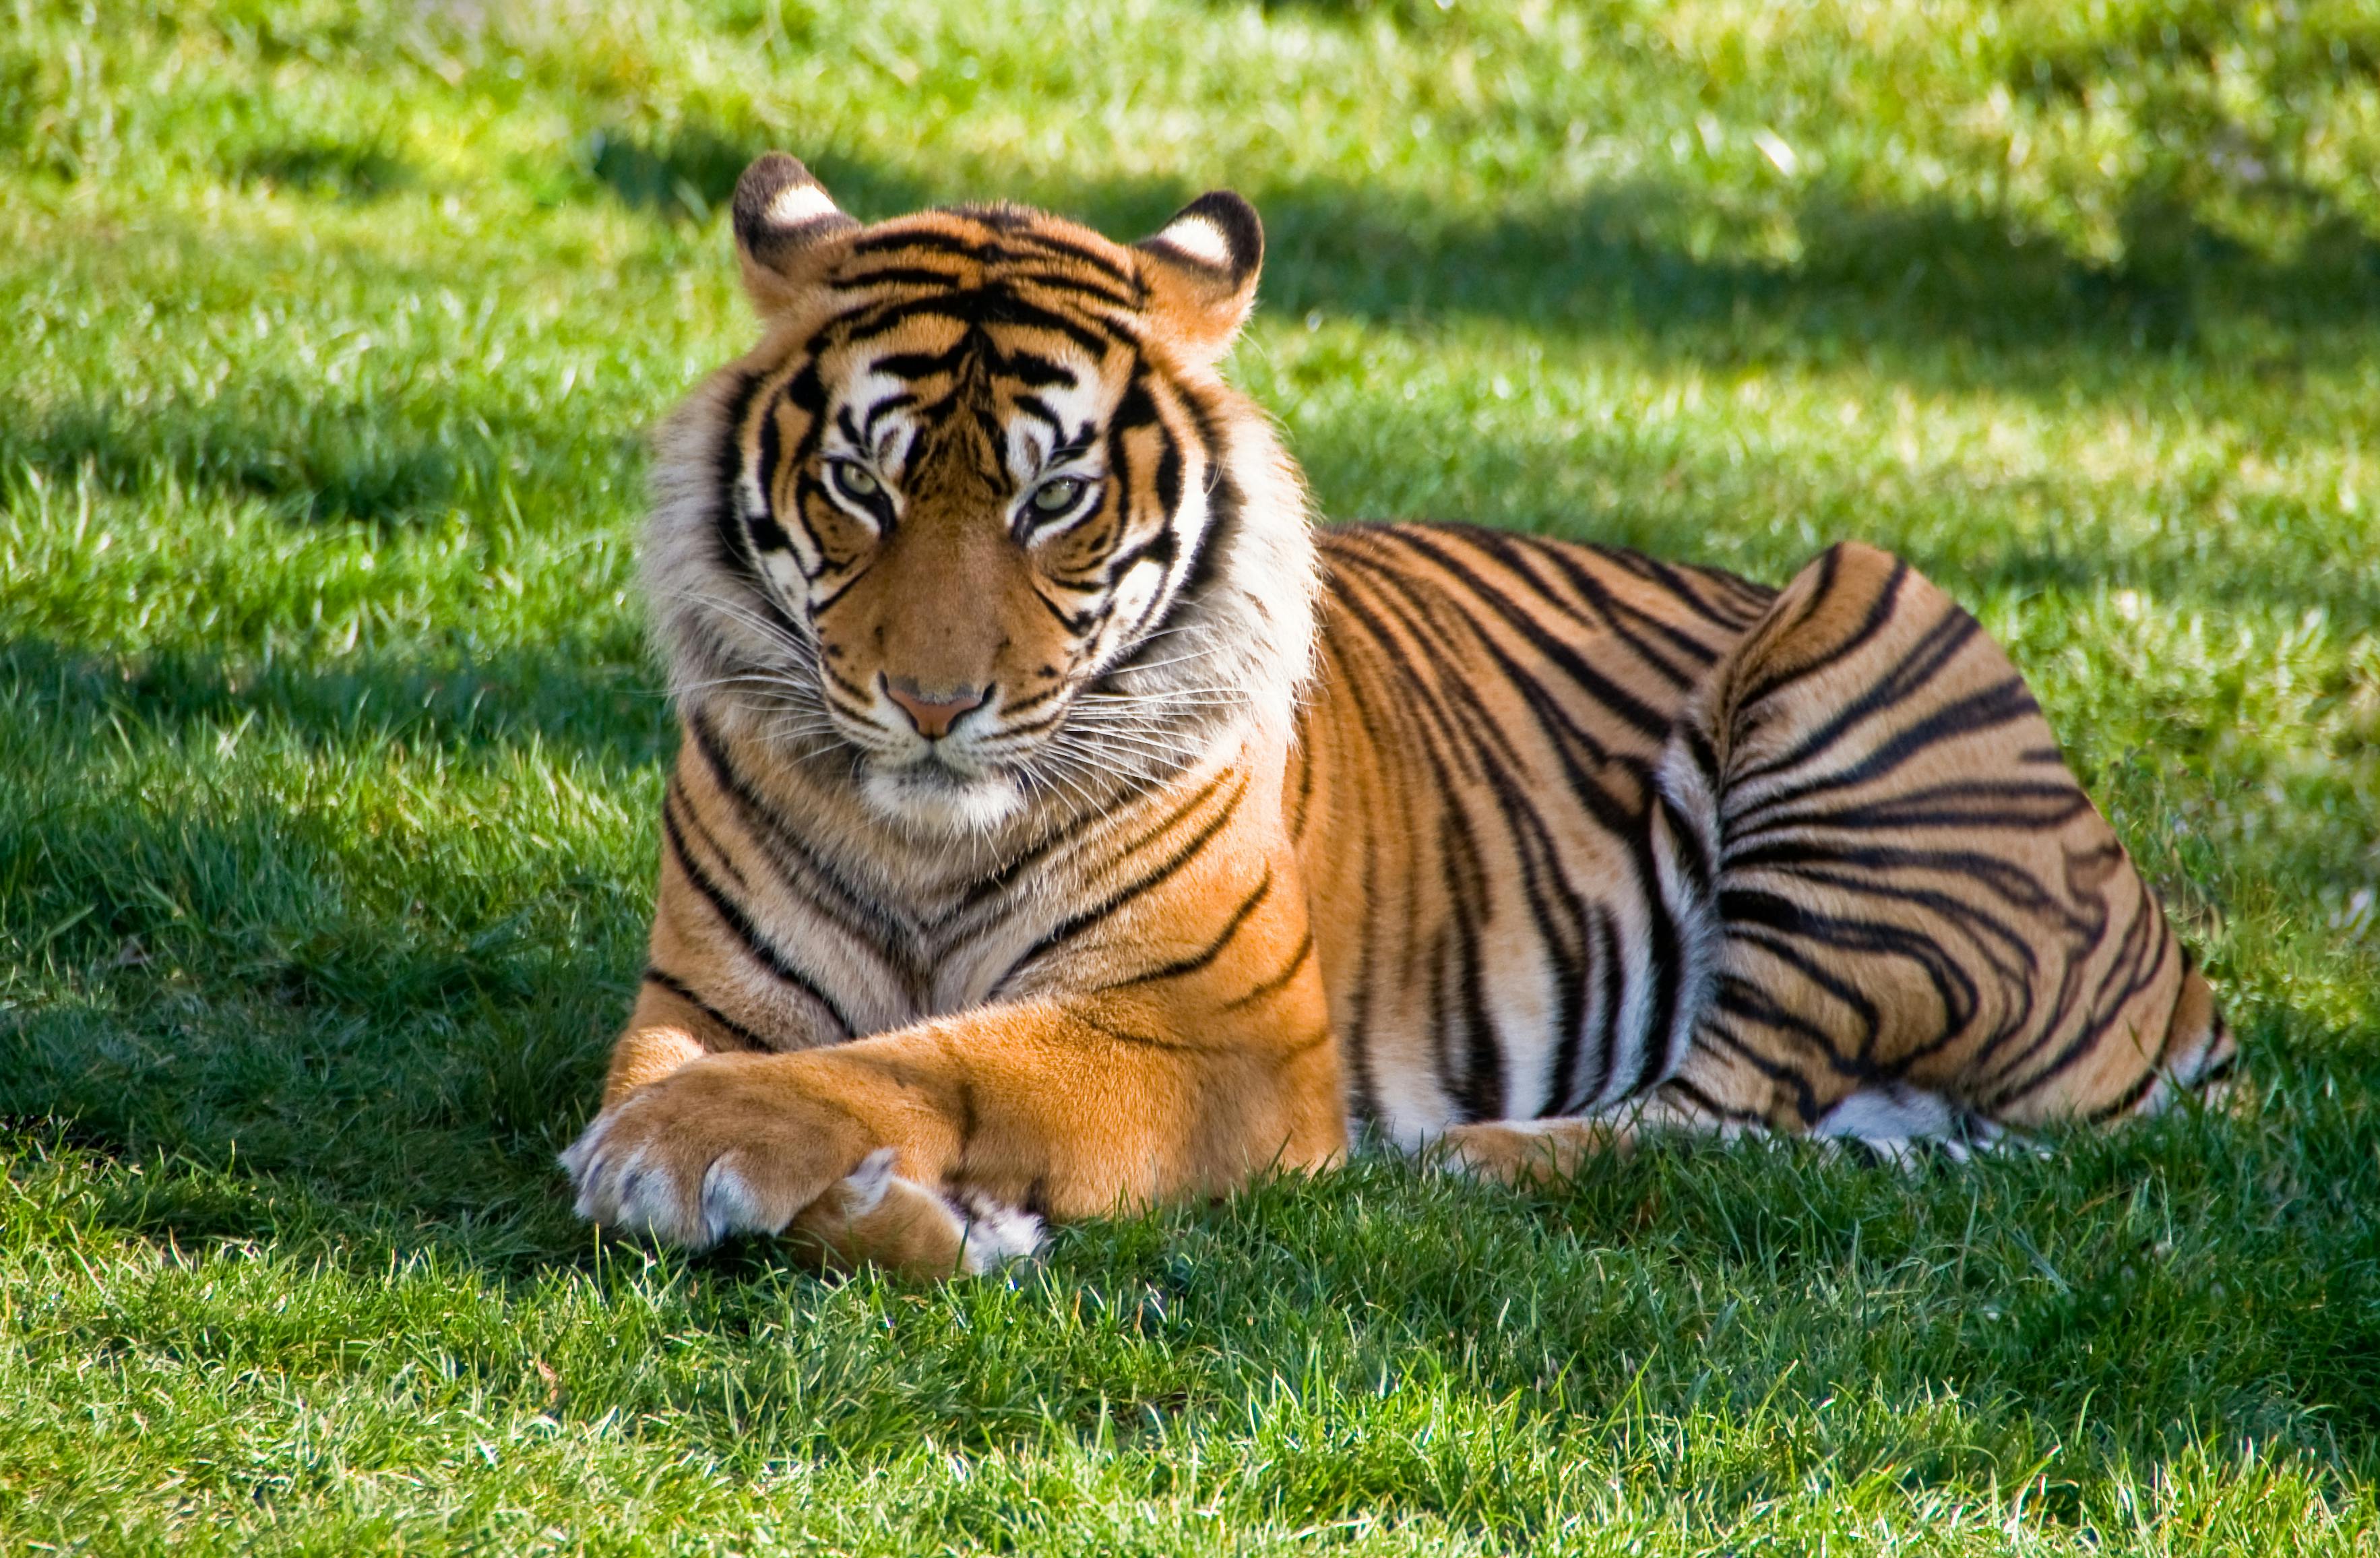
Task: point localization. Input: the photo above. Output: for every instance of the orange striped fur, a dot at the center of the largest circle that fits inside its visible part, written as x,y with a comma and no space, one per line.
1063,822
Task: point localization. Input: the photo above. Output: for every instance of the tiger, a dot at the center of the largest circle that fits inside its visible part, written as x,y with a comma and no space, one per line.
1066,822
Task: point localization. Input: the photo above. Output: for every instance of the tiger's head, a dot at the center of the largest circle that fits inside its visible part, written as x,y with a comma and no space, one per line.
978,512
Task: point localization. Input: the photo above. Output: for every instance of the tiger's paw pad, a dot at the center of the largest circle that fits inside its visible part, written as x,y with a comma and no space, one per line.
643,1192
629,1191
722,1145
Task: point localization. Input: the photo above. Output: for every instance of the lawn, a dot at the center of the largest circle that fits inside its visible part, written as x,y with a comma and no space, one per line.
330,765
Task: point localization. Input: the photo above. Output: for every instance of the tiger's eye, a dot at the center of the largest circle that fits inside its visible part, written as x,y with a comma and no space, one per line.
1056,497
855,481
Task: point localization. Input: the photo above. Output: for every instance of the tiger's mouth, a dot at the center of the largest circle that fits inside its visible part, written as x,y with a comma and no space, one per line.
968,781
942,790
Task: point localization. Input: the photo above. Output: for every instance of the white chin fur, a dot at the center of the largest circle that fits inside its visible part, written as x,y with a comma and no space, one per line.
940,801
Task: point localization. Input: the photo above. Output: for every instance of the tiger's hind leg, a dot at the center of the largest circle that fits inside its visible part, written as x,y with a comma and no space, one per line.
1887,1122
1552,1150
1916,898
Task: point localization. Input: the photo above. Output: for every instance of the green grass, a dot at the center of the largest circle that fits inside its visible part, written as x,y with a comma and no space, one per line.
329,765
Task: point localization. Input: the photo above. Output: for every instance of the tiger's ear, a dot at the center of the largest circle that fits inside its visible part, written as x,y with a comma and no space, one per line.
785,224
1201,270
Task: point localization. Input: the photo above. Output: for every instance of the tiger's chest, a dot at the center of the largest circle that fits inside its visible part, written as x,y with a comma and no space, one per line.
889,959
881,931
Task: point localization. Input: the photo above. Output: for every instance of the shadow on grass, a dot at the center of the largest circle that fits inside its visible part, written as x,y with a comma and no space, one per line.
350,171
691,171
298,975
319,457
1904,280
2007,1318
592,697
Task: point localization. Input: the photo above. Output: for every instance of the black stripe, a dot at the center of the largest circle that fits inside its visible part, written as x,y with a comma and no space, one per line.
897,275
679,988
728,549
1136,1040
1623,619
1880,611
1225,506
1301,753
738,923
1999,704
1033,370
1455,735
1044,238
985,250
853,910
972,309
674,801
1715,1033
762,524
1013,870
1694,1095
2031,809
1607,969
2147,922
1206,955
1951,982
1279,982
1751,600
924,365
1624,823
2129,1099
1740,998
1626,705
1083,919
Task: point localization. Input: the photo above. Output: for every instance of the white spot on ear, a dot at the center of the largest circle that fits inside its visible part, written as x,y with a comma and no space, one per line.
797,204
1200,240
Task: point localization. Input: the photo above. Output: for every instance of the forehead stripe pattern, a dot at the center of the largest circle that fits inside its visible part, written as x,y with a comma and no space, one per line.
977,307
998,249
898,275
1156,413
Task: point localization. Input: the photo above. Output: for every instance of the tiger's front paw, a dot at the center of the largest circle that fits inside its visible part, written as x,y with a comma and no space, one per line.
726,1144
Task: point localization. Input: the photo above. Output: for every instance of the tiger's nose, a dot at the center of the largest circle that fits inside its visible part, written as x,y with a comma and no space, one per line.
933,716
